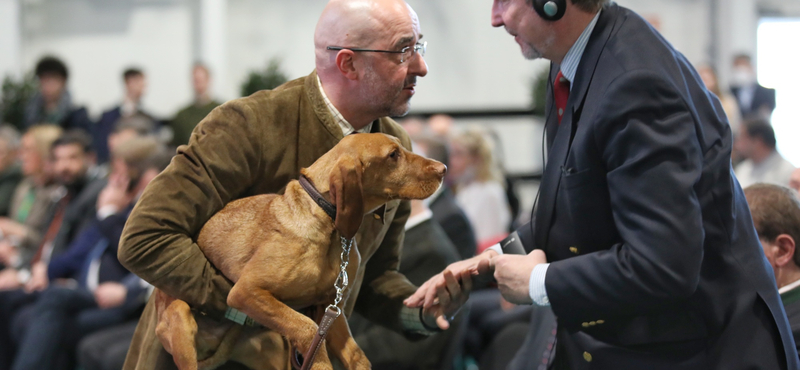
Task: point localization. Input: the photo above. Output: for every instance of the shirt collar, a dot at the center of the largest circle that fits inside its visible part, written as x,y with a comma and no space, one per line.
418,219
789,287
569,66
346,127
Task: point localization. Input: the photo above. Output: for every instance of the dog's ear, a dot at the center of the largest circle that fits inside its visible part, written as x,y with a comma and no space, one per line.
348,196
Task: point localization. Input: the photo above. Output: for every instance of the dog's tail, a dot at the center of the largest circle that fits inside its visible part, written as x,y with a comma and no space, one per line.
223,352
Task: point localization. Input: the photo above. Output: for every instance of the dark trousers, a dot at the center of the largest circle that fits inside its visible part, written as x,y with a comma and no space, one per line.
48,330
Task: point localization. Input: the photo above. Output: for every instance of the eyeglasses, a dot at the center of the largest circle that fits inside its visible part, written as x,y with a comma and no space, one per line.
406,53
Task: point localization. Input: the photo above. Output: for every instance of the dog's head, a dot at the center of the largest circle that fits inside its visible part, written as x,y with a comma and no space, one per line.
368,170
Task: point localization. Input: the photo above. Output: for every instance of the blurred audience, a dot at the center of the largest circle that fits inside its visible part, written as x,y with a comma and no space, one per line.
755,101
762,162
446,211
441,125
728,101
478,186
52,103
426,251
31,206
135,86
776,215
10,172
187,118
90,290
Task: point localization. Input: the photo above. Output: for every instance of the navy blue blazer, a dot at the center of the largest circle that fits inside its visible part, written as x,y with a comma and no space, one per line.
655,263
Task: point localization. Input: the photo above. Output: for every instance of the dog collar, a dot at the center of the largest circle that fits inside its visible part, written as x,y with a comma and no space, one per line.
326,206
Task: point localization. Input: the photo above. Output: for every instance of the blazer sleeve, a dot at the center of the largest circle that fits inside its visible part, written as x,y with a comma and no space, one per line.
223,157
648,140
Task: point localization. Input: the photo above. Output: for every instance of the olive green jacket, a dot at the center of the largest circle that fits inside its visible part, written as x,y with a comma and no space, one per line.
250,146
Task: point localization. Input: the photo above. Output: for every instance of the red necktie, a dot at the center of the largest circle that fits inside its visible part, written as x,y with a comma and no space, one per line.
561,91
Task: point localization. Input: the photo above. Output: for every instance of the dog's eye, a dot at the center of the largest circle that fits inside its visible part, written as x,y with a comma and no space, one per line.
394,154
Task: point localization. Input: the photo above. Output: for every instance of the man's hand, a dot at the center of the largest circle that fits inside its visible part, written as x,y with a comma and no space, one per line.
513,275
9,279
110,295
115,194
38,279
428,292
10,227
8,253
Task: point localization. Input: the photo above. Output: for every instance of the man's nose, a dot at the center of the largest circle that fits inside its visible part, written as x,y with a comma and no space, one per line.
418,66
497,16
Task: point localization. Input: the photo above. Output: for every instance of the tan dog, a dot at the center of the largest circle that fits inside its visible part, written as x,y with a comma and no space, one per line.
282,252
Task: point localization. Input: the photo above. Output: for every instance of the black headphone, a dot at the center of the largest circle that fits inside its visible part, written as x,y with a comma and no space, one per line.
550,10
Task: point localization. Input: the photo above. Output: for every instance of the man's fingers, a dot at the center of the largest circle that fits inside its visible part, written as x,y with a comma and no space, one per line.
416,299
452,286
444,297
466,282
442,322
430,295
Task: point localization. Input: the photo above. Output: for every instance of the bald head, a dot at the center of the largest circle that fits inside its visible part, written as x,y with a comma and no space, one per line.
358,24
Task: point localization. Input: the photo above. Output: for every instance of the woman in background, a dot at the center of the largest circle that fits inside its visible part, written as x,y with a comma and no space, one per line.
478,185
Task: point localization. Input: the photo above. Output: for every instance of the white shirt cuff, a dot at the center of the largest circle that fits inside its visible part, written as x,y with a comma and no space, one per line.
497,248
106,211
536,285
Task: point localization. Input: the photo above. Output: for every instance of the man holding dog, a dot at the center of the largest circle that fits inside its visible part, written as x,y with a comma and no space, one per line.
368,57
642,243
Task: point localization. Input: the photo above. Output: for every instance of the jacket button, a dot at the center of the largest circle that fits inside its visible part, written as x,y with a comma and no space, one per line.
592,323
585,325
573,249
587,356
377,216
601,322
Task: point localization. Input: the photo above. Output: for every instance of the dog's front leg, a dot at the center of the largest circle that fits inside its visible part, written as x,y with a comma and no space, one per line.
176,330
265,309
343,346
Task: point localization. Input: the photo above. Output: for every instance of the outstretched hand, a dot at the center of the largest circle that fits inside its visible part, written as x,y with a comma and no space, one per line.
444,294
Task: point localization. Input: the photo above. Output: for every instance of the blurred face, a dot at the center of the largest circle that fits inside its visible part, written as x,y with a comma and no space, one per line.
390,84
460,160
135,87
120,137
70,163
708,78
51,86
200,80
7,156
744,145
32,162
534,35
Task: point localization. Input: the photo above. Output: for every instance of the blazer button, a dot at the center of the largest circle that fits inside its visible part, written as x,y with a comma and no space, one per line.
573,249
601,322
592,323
587,356
585,325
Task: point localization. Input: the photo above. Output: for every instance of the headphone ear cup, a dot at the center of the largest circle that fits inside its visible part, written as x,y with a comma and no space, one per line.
550,10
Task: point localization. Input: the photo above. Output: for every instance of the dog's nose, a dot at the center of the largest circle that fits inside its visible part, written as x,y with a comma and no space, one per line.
439,168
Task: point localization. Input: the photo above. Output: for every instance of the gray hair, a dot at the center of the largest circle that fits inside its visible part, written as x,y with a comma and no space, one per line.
10,136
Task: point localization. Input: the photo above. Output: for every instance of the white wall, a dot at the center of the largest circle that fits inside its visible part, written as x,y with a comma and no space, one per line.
472,65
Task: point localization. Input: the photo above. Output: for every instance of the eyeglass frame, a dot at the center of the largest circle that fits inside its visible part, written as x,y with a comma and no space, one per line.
418,48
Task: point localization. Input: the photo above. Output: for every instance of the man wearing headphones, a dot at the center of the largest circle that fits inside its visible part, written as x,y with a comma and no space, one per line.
642,243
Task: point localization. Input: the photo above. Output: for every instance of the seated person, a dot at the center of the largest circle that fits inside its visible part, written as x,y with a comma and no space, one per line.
89,289
31,203
776,215
426,250
10,174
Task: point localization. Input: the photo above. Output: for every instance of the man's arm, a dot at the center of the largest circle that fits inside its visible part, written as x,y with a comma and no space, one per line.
219,165
653,158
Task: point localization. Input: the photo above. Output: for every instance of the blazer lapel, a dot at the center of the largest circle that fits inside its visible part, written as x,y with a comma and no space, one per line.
560,144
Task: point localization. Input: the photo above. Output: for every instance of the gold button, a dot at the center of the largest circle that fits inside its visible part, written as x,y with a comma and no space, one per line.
587,356
377,216
574,250
601,321
585,325
592,323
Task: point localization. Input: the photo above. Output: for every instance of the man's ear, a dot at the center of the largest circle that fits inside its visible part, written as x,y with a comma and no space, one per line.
345,64
785,250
